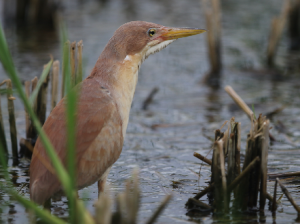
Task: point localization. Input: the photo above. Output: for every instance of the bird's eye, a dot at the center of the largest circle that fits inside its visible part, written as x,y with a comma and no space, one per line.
151,32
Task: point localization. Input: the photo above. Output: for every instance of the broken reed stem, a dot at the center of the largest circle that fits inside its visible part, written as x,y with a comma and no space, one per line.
203,158
243,174
149,98
54,81
12,121
274,204
239,101
204,192
66,56
277,26
274,175
2,132
159,209
79,62
73,63
27,120
289,197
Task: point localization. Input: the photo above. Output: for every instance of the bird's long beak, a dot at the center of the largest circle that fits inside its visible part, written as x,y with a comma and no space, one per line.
175,33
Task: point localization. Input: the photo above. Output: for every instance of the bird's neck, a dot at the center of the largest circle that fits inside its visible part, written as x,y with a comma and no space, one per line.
120,77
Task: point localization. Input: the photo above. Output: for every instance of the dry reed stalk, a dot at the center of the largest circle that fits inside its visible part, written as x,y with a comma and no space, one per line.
239,101
289,197
274,175
42,100
79,62
243,174
73,63
54,81
274,204
264,164
223,175
203,158
205,191
12,121
64,69
219,177
277,26
2,132
212,13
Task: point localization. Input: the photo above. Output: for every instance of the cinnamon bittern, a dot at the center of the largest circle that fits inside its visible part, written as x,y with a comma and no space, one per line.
102,109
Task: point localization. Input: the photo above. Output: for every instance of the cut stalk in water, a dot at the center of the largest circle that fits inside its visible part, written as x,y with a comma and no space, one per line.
212,11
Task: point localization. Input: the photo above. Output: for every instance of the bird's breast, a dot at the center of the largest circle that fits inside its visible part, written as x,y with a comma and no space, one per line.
124,87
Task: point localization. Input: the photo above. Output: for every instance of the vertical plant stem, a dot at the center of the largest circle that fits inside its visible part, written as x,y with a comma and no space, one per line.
79,62
54,90
73,63
71,97
42,98
65,66
32,131
264,163
12,121
2,132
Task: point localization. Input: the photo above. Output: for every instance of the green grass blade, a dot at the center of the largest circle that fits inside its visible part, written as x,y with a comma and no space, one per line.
44,75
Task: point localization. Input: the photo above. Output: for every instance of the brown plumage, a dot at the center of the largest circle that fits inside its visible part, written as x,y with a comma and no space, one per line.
103,108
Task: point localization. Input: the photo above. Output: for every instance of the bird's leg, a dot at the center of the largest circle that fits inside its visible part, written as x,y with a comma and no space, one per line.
47,204
101,185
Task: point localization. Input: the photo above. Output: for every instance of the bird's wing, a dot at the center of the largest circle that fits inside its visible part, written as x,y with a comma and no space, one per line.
95,106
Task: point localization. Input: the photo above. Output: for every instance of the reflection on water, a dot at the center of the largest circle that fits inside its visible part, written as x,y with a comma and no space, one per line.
192,110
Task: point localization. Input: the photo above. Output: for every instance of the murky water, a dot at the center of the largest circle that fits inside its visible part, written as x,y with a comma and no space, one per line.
192,110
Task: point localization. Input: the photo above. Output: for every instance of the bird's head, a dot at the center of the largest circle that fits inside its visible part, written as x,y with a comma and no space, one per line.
144,38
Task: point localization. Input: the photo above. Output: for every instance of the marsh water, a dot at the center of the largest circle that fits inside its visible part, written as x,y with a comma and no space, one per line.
185,112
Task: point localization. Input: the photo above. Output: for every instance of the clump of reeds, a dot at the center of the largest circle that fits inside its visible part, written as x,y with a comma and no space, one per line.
245,183
249,184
